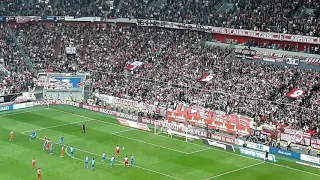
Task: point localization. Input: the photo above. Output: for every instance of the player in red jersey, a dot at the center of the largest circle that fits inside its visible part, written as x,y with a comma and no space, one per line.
118,151
62,152
11,136
33,162
39,173
48,145
126,162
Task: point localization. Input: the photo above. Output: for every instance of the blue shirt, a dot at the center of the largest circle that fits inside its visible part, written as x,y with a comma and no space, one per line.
61,138
33,133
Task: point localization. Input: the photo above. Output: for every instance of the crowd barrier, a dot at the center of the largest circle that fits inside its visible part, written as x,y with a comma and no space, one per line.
252,149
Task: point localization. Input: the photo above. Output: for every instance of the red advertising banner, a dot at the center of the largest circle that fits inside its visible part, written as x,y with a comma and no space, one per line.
200,116
296,93
296,136
315,143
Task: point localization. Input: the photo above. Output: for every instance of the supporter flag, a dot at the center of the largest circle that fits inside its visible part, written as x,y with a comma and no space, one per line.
24,19
134,65
296,93
206,78
81,84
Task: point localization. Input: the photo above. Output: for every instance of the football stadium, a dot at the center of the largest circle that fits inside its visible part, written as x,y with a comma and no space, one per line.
160,89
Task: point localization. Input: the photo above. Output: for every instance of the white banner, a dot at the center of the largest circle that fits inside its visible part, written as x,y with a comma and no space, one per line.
134,124
23,105
127,103
311,159
252,145
296,136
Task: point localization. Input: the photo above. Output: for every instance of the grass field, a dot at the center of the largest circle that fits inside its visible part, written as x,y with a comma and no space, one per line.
156,157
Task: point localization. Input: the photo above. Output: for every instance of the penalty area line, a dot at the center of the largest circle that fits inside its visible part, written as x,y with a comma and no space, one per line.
139,167
50,127
236,170
215,149
199,151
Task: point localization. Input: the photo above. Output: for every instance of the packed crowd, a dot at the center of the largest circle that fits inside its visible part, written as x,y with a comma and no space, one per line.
14,74
173,62
286,16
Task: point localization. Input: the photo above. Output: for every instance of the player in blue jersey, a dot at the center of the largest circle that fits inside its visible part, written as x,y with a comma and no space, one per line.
104,156
86,161
112,161
72,152
131,160
61,140
93,162
33,135
51,148
45,144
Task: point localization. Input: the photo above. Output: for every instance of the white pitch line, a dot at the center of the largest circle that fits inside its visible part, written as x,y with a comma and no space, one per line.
234,154
150,144
19,112
146,169
236,170
50,127
129,129
199,151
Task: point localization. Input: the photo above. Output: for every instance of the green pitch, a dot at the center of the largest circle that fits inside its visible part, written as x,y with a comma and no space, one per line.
157,157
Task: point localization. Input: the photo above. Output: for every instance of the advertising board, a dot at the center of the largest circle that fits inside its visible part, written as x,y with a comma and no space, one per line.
133,124
252,145
311,159
256,154
6,108
286,153
217,144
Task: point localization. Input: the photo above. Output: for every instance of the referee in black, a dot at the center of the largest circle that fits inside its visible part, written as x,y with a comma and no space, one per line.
83,128
266,156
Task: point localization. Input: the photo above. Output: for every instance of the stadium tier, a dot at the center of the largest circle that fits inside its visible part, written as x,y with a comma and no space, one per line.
241,70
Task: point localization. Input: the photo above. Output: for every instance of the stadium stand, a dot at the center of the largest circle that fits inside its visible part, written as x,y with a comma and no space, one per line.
173,60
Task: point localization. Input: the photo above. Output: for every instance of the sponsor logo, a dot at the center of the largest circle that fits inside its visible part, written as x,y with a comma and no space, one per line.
227,147
252,145
223,138
311,159
286,153
4,108
216,144
256,154
292,61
